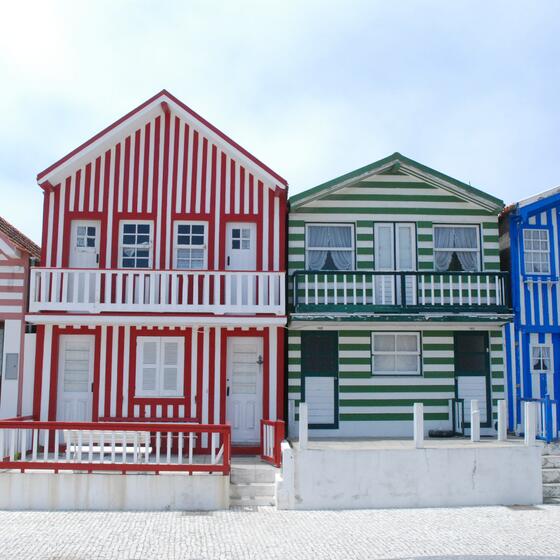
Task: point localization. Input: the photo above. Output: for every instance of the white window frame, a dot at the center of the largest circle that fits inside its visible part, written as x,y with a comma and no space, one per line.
122,246
417,353
159,392
536,251
478,250
352,249
176,245
538,348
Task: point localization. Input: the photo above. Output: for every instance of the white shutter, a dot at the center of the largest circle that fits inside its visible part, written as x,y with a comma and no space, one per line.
384,248
149,364
160,363
170,367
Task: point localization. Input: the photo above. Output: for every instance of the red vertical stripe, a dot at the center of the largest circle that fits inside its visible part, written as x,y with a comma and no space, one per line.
266,374
204,178
108,371
96,374
199,365
38,380
174,186
97,183
156,185
66,227
223,375
56,217
120,366
136,164
233,186
104,233
261,224
132,370
212,217
272,235
211,369
187,373
183,186
194,169
44,235
146,170
222,230
242,209
280,375
54,373
165,178
126,185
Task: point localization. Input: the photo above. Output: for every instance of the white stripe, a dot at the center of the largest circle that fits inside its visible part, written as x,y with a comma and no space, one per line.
218,200
102,370
255,195
181,162
266,228
194,370
81,186
151,165
217,374
92,175
246,192
208,176
228,187
189,170
126,370
114,364
159,195
11,309
169,209
46,373
110,208
273,371
140,170
205,376
49,229
237,192
131,171
198,191
72,191
101,183
11,295
275,231
9,281
121,177
61,216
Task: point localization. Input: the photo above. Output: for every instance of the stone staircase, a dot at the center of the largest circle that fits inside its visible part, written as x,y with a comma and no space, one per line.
551,474
252,483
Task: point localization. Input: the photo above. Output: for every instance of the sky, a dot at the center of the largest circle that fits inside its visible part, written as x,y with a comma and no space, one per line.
312,88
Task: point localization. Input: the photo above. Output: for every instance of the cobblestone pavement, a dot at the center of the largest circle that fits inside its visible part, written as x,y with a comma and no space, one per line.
266,533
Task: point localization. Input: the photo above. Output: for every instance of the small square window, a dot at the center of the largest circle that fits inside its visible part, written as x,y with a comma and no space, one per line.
395,353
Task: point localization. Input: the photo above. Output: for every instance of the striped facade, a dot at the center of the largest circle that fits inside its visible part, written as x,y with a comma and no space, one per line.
162,165
535,299
16,253
395,190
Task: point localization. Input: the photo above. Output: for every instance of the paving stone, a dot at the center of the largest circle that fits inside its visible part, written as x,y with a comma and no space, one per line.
264,533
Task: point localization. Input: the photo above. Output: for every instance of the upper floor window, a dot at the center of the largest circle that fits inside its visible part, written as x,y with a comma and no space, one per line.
536,249
190,246
456,248
541,358
330,247
136,245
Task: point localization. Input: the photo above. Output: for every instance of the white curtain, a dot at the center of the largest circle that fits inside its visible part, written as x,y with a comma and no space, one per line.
455,238
325,237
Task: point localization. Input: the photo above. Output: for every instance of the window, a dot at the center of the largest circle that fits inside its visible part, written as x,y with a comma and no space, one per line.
86,236
190,249
159,370
395,353
330,247
136,245
541,358
536,249
241,238
456,248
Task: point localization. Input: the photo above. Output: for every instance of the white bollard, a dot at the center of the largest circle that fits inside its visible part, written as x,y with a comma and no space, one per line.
475,421
530,423
502,420
303,425
418,410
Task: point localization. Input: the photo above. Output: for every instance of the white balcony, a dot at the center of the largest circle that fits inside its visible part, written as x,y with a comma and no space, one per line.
148,291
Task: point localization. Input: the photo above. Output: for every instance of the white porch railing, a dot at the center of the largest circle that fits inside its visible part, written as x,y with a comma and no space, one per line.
96,290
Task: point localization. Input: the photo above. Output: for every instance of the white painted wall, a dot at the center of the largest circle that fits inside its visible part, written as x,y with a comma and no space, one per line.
112,492
405,477
12,344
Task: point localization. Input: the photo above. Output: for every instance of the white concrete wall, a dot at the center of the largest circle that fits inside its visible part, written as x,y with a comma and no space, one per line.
112,492
470,475
12,344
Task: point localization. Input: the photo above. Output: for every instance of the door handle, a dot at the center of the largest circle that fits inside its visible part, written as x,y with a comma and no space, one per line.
228,261
97,258
227,391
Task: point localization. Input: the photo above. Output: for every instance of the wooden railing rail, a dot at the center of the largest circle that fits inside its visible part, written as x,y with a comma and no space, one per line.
272,434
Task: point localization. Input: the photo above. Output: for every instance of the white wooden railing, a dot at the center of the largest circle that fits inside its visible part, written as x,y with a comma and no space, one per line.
114,446
356,289
95,290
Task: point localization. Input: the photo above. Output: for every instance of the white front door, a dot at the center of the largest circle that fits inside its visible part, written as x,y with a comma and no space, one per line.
75,376
241,253
244,388
84,251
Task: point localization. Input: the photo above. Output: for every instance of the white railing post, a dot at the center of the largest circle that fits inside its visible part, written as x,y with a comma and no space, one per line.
530,423
303,425
418,410
475,421
502,420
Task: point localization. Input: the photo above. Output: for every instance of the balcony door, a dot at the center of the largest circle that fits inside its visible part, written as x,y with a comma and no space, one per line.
395,251
241,255
75,376
84,251
244,388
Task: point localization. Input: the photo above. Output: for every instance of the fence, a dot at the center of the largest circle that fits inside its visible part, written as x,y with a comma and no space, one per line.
272,434
547,418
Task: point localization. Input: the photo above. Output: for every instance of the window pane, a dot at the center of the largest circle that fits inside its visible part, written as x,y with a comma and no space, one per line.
383,363
235,244
384,342
90,242
91,231
198,229
407,342
129,239
407,363
330,236
129,228
144,228
81,230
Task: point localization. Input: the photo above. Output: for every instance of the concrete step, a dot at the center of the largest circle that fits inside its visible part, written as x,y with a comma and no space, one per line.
254,490
248,473
551,461
252,502
550,475
551,490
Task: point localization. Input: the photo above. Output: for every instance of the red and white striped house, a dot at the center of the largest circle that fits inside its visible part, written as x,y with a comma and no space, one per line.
17,253
162,285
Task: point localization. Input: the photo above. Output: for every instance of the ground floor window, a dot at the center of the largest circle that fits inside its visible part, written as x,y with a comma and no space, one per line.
395,353
159,366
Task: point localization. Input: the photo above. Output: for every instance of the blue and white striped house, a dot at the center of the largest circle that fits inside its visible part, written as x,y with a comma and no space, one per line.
529,248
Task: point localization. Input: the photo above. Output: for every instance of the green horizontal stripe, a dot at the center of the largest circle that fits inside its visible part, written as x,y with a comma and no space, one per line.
396,388
389,416
392,402
397,198
395,185
421,211
439,346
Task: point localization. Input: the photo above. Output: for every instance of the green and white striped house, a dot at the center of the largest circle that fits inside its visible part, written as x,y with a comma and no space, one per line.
396,297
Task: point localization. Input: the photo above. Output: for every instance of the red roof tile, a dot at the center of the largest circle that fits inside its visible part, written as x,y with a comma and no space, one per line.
19,239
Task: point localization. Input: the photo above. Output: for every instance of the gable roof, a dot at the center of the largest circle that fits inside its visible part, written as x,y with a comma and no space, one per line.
400,163
167,101
534,204
20,240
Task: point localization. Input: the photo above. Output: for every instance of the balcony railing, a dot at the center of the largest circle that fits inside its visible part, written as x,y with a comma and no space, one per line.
400,291
95,291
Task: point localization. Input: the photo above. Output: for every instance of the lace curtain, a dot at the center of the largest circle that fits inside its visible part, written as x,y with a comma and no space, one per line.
455,239
322,242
